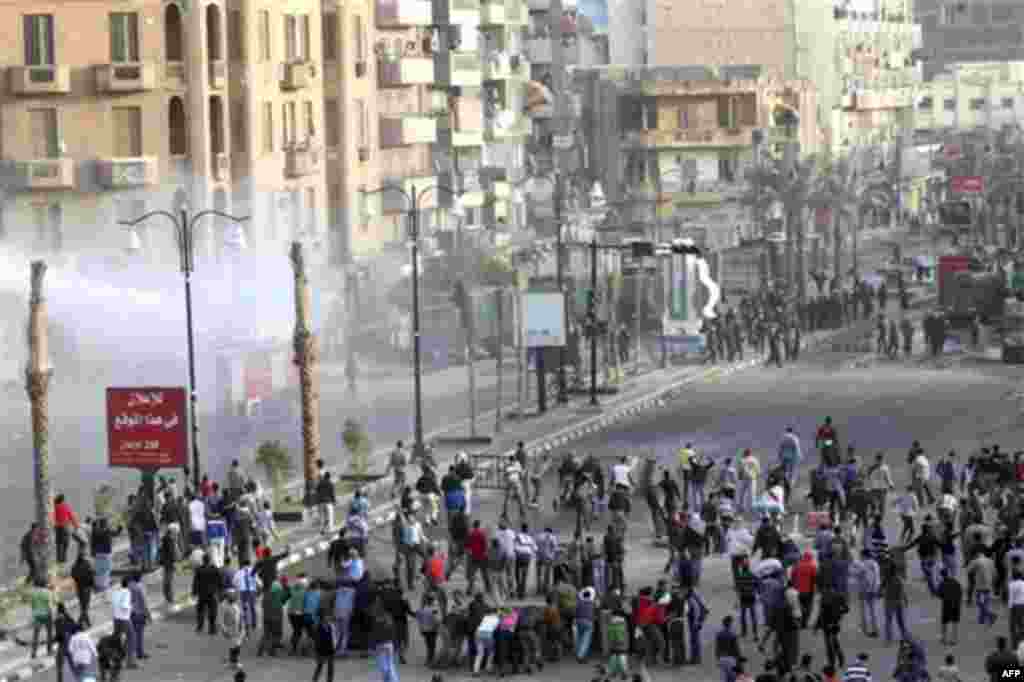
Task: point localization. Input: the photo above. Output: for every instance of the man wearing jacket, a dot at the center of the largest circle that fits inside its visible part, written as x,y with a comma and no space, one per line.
866,579
547,552
207,585
790,456
805,574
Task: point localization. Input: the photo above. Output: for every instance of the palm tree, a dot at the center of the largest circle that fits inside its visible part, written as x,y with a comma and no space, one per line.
838,192
304,344
37,384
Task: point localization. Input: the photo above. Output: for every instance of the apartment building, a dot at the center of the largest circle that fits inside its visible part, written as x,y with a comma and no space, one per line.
673,143
111,111
969,96
969,31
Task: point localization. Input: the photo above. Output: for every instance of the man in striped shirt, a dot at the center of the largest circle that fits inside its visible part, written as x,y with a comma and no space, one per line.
858,671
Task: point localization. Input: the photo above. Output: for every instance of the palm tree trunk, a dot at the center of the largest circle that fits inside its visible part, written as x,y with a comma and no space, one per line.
304,345
37,384
854,261
801,256
790,239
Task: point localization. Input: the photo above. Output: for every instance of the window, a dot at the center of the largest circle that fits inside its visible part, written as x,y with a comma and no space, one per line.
364,124
124,37
239,134
127,125
925,104
359,38
331,130
291,30
236,36
949,104
330,36
177,128
44,128
264,36
173,34
289,125
305,37
307,114
1007,103
268,127
977,104
39,44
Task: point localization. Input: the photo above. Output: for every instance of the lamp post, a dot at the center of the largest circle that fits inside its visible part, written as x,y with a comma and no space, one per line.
413,197
184,231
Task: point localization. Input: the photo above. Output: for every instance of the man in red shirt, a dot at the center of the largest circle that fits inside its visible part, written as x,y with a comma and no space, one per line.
827,434
64,521
476,549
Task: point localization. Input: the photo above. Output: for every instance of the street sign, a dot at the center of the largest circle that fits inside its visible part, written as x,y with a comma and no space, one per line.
967,184
544,319
147,427
562,142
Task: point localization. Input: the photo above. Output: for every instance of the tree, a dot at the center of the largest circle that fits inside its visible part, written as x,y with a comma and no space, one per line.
37,385
357,442
277,464
837,191
305,348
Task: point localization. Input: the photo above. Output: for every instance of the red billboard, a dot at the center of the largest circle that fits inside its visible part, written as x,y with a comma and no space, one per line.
147,427
967,184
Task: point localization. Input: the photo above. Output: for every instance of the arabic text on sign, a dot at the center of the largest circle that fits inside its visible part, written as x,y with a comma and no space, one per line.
130,421
143,398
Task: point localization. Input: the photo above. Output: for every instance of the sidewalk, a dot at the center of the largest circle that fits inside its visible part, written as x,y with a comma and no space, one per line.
541,434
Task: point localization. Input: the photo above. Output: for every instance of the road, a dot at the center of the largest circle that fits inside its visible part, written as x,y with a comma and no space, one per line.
879,408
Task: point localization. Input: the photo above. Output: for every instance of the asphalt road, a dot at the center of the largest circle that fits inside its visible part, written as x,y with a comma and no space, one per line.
879,408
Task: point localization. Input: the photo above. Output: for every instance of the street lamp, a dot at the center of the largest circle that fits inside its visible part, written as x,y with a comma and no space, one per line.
184,231
413,198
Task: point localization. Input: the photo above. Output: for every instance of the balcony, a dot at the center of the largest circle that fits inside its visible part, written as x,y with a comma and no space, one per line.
456,12
402,71
131,77
516,13
400,130
450,136
403,13
539,50
691,137
492,13
458,69
898,99
125,173
218,73
502,66
298,75
300,162
503,127
221,167
40,80
46,174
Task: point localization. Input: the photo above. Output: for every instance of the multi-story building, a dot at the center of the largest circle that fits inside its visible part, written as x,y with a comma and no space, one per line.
851,48
969,31
968,96
111,111
673,143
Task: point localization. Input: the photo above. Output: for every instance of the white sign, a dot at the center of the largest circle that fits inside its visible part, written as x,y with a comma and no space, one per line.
544,319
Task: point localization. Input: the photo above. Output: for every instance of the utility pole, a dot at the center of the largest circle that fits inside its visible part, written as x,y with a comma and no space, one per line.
499,297
37,385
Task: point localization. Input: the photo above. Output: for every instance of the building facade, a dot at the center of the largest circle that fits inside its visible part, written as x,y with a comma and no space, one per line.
110,112
969,31
673,143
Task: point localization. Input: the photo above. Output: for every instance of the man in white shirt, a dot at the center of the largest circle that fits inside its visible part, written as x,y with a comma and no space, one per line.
1016,604
880,484
622,474
920,475
908,508
197,522
514,488
121,611
506,538
526,550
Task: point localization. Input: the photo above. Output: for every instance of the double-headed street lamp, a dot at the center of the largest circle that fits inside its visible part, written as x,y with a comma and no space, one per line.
413,199
184,232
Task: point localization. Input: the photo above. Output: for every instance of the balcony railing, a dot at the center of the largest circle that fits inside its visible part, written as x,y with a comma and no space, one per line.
741,136
402,13
398,130
44,174
40,80
300,162
126,77
125,172
298,75
402,71
218,73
